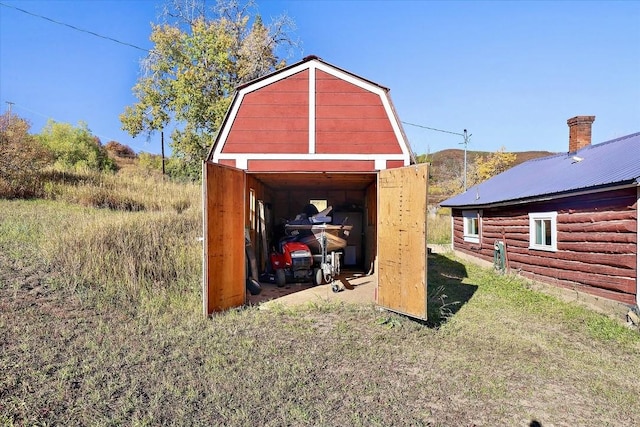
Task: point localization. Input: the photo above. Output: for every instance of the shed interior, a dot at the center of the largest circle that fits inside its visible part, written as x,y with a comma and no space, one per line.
284,195
390,204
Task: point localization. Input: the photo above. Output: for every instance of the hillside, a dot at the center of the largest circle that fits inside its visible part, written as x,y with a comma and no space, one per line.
450,156
447,170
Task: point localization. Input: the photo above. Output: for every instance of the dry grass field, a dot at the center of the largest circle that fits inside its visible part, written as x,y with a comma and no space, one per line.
100,324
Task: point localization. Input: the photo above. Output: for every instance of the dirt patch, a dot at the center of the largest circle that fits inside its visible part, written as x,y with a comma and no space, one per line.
271,291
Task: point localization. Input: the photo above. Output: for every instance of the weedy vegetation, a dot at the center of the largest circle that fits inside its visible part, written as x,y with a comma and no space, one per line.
100,324
439,228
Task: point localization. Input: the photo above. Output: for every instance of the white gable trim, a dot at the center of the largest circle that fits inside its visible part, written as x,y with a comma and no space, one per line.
312,66
275,77
382,93
242,159
233,112
226,128
312,109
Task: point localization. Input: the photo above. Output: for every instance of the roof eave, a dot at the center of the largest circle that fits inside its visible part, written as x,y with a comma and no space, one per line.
546,197
309,59
222,125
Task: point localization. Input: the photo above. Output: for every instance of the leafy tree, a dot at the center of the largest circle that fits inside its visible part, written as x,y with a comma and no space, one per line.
120,150
493,164
150,162
75,147
448,175
423,158
199,57
21,158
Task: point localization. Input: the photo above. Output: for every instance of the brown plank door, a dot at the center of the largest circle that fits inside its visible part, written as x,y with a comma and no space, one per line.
223,199
402,243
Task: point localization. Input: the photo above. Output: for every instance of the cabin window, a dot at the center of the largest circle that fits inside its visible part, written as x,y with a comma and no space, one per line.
542,231
471,223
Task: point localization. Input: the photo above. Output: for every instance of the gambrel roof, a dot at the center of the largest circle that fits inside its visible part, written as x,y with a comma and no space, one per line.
609,164
311,116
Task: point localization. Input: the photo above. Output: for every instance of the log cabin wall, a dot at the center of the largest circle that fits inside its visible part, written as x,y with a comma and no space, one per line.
597,247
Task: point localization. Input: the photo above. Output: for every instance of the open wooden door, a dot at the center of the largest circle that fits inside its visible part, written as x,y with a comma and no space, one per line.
402,240
223,200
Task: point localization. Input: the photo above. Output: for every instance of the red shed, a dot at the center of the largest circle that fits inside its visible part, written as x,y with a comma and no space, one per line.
315,133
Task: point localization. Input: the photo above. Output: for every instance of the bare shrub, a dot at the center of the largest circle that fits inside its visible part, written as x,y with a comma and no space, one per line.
21,159
120,150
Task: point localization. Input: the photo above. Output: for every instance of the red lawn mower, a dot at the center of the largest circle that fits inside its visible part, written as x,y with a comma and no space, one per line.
293,262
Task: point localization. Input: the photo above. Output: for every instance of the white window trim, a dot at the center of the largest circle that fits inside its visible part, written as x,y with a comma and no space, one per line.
554,231
472,238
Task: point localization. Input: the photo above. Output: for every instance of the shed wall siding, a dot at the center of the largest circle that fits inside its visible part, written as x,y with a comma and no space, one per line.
394,164
350,119
596,241
275,116
312,112
228,162
310,165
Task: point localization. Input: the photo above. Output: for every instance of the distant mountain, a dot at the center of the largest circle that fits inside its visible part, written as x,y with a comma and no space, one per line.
456,155
447,166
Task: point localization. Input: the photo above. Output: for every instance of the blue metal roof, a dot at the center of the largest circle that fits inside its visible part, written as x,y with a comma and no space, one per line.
610,163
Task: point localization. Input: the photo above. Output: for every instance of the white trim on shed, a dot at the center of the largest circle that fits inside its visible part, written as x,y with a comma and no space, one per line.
312,65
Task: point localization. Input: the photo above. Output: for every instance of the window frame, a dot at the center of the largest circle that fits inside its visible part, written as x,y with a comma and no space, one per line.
466,234
543,216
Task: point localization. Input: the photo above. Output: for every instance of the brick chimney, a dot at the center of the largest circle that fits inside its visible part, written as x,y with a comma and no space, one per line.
579,132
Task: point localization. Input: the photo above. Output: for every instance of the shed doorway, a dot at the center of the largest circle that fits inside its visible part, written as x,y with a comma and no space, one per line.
388,209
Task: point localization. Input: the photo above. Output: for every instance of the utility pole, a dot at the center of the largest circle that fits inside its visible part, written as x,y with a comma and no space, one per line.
465,142
162,143
10,104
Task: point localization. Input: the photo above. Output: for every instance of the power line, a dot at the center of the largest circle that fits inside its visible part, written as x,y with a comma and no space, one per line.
466,137
437,130
74,27
37,113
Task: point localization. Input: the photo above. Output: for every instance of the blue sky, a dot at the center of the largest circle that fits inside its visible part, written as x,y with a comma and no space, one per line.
511,73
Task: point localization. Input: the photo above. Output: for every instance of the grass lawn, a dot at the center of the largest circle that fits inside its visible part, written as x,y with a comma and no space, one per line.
494,352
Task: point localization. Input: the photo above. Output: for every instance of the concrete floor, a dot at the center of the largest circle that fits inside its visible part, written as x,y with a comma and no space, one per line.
356,287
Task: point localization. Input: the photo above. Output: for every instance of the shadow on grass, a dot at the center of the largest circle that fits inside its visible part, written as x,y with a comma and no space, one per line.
445,291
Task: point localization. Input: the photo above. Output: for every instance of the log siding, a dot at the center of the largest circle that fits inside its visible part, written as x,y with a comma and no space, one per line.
597,242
